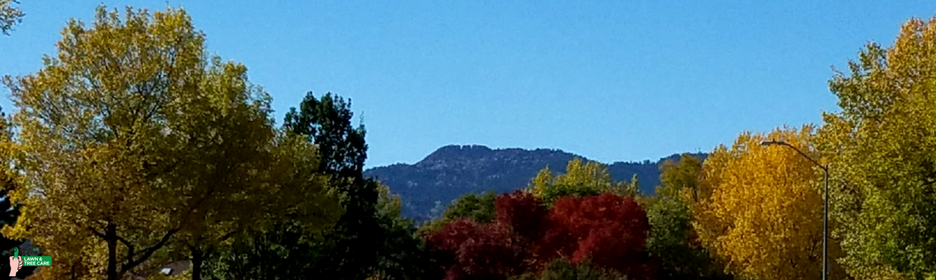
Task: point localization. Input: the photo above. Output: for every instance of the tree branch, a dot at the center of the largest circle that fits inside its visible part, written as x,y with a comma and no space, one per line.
130,247
96,232
146,253
228,235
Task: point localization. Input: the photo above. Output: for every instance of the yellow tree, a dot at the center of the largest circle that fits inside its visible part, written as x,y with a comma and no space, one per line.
130,136
248,175
235,156
580,179
759,208
270,225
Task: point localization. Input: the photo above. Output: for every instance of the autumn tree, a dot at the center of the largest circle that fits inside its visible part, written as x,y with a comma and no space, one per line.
234,156
580,179
283,193
9,15
523,214
124,142
608,230
759,208
881,144
469,250
519,225
9,182
285,223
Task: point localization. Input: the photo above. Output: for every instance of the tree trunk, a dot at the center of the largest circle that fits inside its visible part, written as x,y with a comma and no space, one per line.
110,235
197,259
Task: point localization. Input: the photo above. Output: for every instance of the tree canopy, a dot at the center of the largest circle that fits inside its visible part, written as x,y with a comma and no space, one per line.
135,97
327,123
672,241
881,146
580,179
476,207
760,207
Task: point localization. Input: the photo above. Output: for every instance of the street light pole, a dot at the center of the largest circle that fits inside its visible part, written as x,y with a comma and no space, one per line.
825,226
825,206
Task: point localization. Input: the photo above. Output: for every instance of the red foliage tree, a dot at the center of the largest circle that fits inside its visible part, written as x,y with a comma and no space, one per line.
468,250
526,218
522,213
609,230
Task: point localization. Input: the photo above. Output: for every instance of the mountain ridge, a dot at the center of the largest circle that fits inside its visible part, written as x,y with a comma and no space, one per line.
427,186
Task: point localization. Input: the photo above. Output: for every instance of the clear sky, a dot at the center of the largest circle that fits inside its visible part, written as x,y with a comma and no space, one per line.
609,80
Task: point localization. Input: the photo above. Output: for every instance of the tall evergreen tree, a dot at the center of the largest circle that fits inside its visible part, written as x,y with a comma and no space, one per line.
370,239
327,123
349,250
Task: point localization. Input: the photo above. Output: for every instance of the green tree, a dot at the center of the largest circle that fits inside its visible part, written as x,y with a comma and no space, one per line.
351,249
403,254
370,239
477,207
882,144
680,178
671,240
327,123
116,134
9,15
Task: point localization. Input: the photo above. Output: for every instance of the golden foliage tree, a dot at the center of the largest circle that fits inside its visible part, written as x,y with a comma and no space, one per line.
760,208
132,137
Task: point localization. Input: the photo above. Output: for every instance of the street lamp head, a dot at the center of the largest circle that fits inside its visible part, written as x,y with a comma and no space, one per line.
772,142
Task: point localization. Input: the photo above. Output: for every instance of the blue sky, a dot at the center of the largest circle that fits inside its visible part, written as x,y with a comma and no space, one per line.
610,80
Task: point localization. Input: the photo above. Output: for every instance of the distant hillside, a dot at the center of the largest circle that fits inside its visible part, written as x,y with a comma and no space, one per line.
451,171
